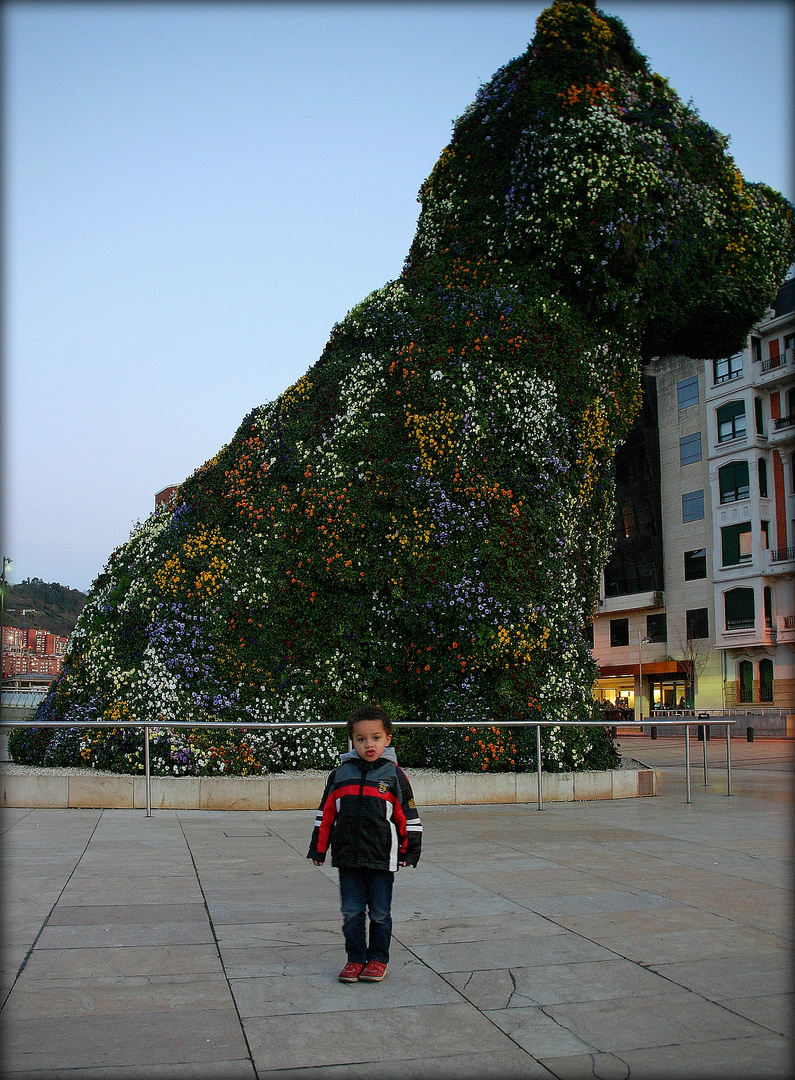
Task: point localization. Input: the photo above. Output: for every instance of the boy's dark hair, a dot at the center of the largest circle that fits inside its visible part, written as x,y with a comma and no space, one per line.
370,712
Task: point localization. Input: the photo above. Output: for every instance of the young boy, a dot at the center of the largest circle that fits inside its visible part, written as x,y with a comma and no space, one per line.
368,816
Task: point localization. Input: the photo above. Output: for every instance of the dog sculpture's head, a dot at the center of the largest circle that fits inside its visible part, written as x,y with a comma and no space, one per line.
594,181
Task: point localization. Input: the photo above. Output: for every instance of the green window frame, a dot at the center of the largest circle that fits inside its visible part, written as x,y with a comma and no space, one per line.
733,481
734,550
731,421
739,609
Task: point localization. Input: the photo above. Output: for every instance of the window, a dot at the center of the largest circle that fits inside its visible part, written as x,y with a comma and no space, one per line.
736,543
587,633
733,481
657,627
745,674
687,392
731,421
619,633
765,534
761,468
730,367
690,449
767,596
760,423
695,564
739,609
628,516
789,341
765,680
693,506
756,349
697,623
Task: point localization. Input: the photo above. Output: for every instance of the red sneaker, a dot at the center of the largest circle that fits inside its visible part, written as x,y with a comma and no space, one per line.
351,972
373,972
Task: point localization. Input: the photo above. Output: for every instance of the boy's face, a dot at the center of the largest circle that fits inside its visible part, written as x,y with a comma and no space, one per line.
369,739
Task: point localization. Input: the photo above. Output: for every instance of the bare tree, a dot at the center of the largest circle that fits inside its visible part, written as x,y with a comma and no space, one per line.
694,654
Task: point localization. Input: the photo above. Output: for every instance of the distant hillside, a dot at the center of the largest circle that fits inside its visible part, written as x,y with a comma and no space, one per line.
56,607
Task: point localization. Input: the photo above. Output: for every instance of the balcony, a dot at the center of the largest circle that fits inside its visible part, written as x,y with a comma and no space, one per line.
782,431
778,555
768,371
786,629
780,561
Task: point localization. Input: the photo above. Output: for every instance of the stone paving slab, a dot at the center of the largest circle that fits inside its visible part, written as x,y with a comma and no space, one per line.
140,961
552,984
242,1069
117,995
761,973
647,937
132,1038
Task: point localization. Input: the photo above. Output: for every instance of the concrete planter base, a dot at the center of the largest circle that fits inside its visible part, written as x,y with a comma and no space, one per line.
73,788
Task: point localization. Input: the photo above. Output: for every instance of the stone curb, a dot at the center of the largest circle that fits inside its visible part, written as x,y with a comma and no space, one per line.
55,789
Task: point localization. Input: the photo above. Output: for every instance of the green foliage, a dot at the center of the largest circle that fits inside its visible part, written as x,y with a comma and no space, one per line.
422,519
28,745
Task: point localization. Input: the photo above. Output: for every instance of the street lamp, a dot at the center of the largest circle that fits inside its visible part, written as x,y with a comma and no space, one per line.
6,564
641,643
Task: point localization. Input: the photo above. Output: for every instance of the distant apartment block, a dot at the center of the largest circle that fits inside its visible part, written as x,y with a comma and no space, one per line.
702,575
165,495
32,652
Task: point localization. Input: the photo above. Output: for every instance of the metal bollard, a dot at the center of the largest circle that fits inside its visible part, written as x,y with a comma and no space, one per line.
538,767
654,731
750,734
147,772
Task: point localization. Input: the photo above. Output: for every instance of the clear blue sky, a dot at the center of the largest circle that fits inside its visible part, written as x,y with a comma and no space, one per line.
194,195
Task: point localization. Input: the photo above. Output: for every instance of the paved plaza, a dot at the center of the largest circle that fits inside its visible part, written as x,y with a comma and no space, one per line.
641,938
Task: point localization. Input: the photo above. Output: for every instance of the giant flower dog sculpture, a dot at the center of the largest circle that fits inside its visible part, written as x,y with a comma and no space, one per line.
422,519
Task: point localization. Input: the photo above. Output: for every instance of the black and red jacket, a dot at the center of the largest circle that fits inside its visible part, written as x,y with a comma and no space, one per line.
367,815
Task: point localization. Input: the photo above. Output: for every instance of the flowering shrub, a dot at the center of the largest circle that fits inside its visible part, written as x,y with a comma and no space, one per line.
422,519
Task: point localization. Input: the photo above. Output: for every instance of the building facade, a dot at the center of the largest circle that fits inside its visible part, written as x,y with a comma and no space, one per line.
697,608
31,654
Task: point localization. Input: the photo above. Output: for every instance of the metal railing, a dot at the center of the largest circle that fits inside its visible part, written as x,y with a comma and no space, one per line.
242,725
772,363
782,554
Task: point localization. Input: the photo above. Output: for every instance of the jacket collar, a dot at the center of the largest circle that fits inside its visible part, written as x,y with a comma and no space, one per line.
388,755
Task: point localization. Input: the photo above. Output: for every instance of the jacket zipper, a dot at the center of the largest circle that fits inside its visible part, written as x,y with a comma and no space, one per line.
359,804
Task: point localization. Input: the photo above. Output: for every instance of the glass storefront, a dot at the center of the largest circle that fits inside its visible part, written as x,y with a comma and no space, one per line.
668,692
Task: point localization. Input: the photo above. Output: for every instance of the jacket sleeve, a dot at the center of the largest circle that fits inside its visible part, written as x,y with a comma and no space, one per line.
411,854
324,823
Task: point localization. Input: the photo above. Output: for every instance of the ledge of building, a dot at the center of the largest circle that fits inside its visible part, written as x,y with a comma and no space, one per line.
25,786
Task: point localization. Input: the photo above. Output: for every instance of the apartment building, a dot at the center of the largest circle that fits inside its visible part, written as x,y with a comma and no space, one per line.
32,652
697,607
750,406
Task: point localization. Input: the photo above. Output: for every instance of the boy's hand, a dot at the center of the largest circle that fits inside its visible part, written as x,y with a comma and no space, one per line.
404,864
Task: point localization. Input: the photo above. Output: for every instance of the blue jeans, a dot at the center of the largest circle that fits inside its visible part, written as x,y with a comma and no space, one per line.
362,888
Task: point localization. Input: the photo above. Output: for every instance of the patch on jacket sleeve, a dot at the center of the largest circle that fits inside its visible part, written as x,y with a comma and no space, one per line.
383,786
412,804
